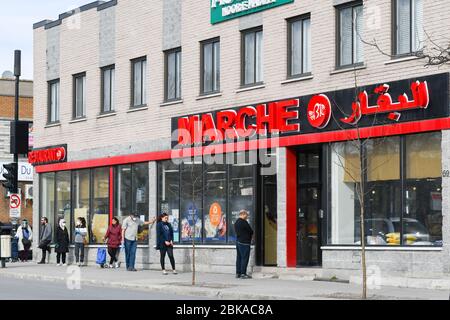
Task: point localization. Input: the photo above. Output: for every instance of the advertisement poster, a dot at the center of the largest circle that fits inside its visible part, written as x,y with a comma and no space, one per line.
191,218
174,221
215,223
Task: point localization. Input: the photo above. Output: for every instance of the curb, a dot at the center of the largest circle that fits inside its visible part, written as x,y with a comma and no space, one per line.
172,289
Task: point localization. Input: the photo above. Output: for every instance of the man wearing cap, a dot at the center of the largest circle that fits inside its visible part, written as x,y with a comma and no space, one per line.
130,228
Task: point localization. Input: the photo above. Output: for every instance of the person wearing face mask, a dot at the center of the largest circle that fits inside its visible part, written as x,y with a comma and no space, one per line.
45,239
80,240
62,243
164,240
25,235
129,238
114,239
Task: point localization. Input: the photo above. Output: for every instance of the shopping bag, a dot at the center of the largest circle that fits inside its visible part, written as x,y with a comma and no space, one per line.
101,256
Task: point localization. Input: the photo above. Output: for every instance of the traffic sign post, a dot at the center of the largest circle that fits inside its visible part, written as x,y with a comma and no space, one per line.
15,202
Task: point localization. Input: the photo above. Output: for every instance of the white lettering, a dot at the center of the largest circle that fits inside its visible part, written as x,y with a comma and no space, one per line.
242,6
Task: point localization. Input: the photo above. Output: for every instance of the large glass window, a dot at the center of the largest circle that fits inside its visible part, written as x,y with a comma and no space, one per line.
299,46
169,194
173,75
81,196
408,26
252,57
47,197
215,213
108,86
63,197
210,66
350,22
53,101
139,82
100,205
392,217
79,99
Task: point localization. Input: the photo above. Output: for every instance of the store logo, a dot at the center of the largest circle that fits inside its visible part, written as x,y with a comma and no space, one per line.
319,111
48,155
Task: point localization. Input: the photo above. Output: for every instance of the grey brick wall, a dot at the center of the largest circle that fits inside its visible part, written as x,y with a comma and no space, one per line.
107,36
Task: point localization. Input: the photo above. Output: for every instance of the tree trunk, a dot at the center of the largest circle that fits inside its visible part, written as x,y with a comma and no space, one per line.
362,224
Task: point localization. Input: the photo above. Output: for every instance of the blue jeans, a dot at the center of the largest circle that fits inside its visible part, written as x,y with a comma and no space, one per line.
130,253
242,257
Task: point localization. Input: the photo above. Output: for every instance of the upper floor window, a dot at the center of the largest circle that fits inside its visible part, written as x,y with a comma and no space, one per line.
108,85
53,101
350,23
139,82
299,44
79,95
408,26
172,87
252,57
210,62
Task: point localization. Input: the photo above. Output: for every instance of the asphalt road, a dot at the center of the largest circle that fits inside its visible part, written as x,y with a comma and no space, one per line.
15,289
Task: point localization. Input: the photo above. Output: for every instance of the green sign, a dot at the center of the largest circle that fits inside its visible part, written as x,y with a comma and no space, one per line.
223,10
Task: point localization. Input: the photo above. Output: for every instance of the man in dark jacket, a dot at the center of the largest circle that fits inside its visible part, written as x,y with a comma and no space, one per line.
45,239
244,234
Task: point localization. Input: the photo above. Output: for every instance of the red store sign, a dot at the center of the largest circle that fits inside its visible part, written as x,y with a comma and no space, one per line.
48,155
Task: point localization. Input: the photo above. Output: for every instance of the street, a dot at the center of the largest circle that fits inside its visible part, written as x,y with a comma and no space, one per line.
25,289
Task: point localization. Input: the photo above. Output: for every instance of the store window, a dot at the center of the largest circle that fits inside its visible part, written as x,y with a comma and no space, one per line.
391,218
63,198
252,57
215,215
53,101
47,197
100,204
169,194
79,96
139,82
408,26
132,194
81,181
299,42
108,87
210,56
172,75
350,25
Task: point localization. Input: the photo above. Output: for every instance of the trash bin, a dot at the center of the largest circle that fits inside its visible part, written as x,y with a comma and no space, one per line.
5,245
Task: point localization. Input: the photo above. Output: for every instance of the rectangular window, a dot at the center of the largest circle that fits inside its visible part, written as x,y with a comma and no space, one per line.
79,96
63,198
172,75
47,197
252,57
108,87
210,61
299,44
139,82
408,26
53,101
81,183
350,29
169,194
402,207
100,205
215,217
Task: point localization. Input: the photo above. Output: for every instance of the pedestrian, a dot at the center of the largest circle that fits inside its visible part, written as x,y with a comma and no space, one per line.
164,239
130,228
80,240
113,238
62,243
24,235
45,239
244,234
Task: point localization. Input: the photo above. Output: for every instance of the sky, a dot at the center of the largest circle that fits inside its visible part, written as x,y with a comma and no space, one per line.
16,28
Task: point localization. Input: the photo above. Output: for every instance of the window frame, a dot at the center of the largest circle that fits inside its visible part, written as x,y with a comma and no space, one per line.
243,34
143,101
178,70
75,77
212,41
49,101
112,81
290,21
338,10
394,29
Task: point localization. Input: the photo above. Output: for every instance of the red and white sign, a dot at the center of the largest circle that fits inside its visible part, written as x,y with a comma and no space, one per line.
47,156
319,111
15,202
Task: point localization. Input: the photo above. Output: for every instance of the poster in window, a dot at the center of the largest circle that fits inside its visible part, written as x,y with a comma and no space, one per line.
173,219
215,223
191,220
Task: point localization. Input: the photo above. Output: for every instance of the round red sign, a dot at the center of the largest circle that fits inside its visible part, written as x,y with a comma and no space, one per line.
319,111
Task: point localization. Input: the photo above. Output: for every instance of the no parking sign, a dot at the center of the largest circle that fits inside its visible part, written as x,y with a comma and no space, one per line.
15,202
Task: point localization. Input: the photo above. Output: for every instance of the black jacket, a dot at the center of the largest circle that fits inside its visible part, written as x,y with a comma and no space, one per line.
243,231
164,232
62,240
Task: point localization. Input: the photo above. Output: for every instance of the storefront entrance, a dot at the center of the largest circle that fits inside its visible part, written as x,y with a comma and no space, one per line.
310,213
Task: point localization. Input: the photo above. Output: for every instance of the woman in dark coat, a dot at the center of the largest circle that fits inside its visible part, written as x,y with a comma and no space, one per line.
62,243
114,238
164,236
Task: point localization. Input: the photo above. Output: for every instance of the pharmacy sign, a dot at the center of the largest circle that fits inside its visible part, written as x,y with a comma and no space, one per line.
223,10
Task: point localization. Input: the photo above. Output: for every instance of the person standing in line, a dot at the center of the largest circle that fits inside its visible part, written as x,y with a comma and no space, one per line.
164,236
25,236
130,228
80,240
114,239
45,239
244,234
62,243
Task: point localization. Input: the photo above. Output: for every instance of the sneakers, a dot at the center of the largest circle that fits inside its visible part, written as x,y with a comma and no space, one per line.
245,276
59,264
65,265
117,265
174,272
238,276
41,262
165,272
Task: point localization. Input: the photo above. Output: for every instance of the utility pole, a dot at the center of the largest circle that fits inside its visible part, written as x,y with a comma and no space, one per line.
17,72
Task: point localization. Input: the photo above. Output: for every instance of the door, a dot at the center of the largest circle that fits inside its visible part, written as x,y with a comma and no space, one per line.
309,218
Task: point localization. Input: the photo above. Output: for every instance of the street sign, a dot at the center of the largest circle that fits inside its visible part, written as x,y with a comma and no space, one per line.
15,202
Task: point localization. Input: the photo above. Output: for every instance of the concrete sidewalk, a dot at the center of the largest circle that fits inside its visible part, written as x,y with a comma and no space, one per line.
217,286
